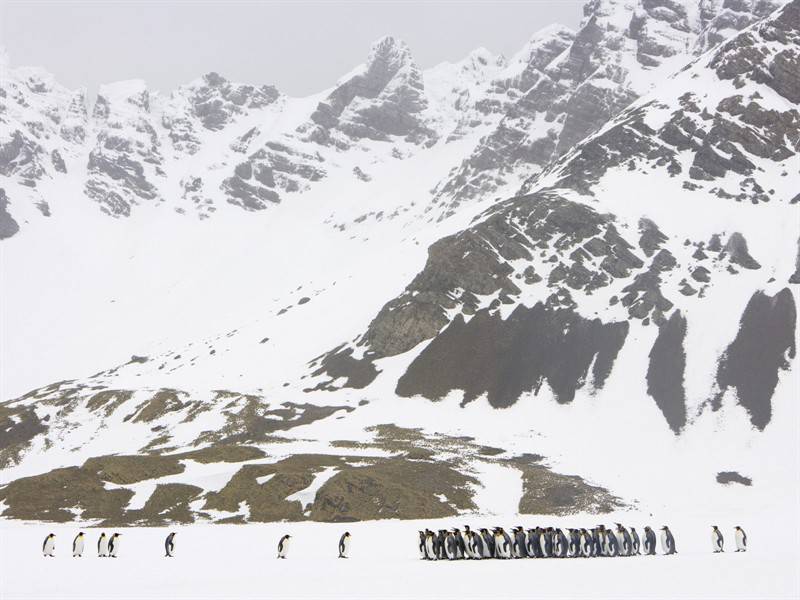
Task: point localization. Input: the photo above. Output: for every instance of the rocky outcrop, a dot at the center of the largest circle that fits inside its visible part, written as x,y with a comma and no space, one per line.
583,88
667,369
761,349
8,226
506,358
384,99
210,103
125,163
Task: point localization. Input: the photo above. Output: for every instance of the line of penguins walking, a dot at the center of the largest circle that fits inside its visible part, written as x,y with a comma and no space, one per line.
109,547
106,546
554,542
549,542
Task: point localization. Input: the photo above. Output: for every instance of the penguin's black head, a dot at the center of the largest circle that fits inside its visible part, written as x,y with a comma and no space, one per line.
346,534
52,535
714,527
737,527
664,528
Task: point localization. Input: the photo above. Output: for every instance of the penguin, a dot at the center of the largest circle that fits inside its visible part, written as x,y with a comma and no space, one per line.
717,541
441,540
574,543
520,545
461,546
422,553
478,551
635,542
586,543
283,546
597,544
430,546
49,546
741,539
169,545
559,543
502,548
344,545
469,545
649,542
667,541
531,543
612,543
488,544
624,540
113,545
545,542
77,545
102,545
508,541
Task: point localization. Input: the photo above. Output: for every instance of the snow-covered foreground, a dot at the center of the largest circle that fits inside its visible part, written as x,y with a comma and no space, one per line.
238,561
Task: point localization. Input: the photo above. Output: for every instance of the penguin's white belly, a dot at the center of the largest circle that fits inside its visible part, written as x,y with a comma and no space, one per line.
102,547
77,549
346,547
114,548
429,548
49,547
284,548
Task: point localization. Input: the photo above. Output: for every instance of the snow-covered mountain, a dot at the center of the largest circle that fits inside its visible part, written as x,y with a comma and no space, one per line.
572,274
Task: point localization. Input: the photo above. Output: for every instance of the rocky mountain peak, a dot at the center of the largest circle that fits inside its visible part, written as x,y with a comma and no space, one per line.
384,98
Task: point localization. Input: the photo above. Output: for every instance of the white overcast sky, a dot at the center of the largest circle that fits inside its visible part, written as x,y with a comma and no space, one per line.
301,47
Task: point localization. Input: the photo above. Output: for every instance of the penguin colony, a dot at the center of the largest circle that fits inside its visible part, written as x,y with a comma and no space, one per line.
553,542
539,542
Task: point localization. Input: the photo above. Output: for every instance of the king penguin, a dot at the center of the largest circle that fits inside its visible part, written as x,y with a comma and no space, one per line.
430,546
741,540
344,545
649,541
77,545
283,546
667,541
113,545
717,541
49,546
635,541
102,545
169,545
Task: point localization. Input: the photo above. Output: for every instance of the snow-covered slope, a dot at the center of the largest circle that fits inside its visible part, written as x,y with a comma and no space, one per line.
620,328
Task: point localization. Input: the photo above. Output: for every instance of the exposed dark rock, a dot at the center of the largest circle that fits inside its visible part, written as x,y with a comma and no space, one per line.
762,348
340,363
505,358
666,371
8,226
736,250
547,493
651,237
728,477
795,278
701,274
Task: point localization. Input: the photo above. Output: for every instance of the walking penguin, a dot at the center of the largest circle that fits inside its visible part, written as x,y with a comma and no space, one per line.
667,541
49,546
102,545
344,545
169,545
649,541
77,545
113,545
283,546
717,541
741,540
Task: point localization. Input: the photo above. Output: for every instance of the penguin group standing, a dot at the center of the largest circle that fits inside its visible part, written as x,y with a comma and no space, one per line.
541,542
